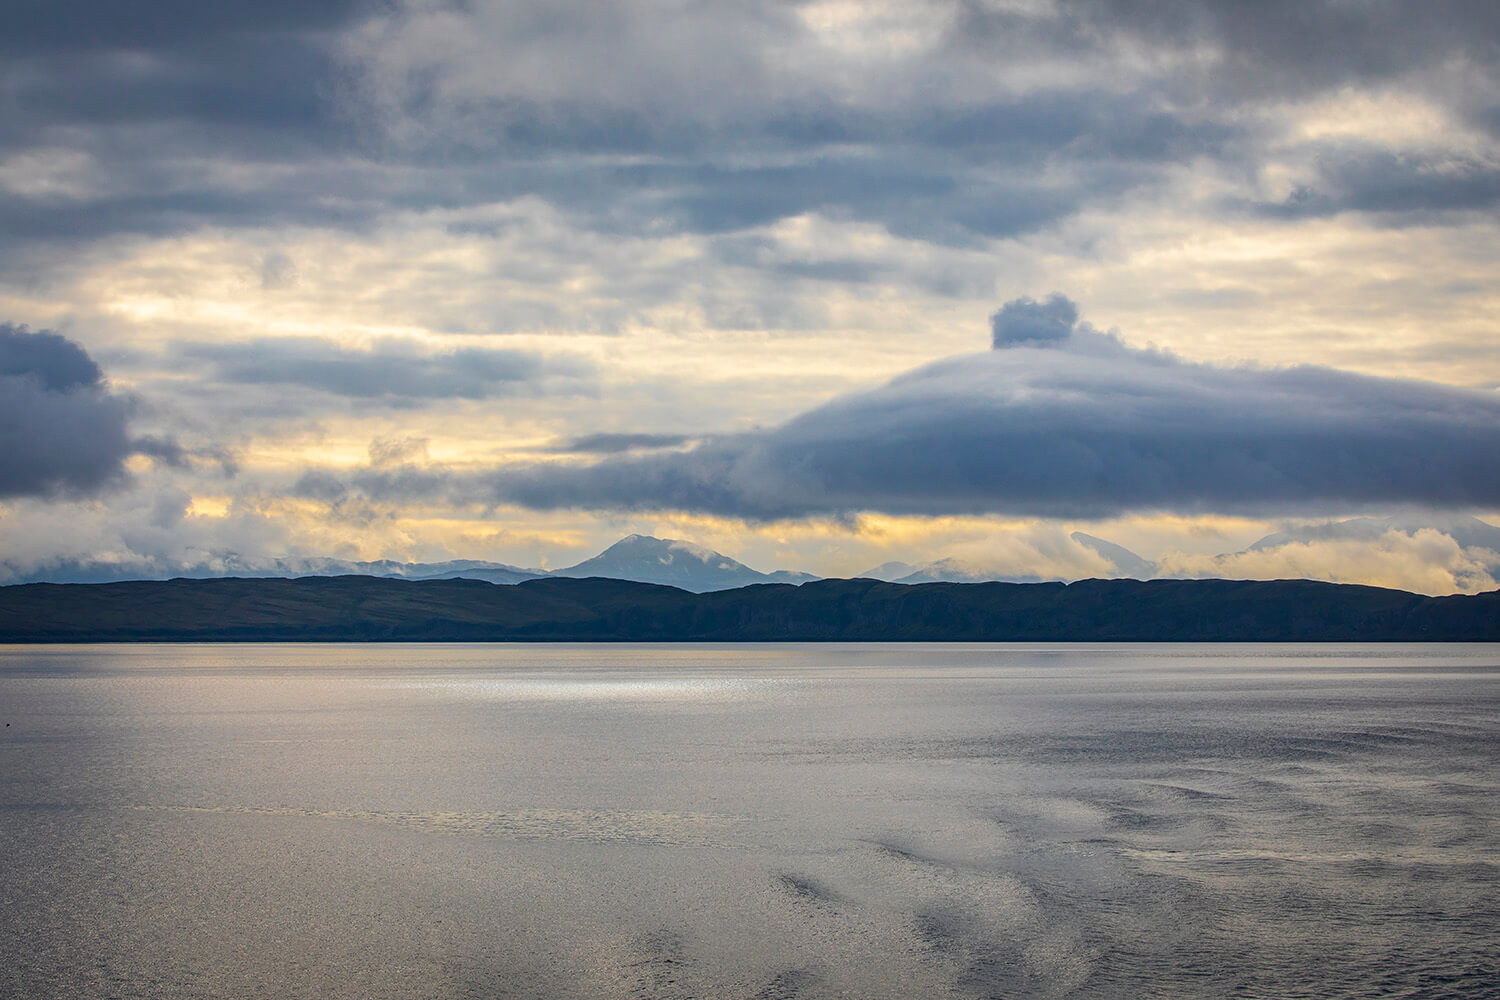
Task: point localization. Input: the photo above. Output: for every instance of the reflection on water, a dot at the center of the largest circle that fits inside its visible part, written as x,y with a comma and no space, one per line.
750,821
634,826
596,689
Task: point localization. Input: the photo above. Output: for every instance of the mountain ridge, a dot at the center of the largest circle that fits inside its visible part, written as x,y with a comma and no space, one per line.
676,562
554,609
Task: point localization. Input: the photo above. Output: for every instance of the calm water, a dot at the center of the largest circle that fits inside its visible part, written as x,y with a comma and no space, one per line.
749,821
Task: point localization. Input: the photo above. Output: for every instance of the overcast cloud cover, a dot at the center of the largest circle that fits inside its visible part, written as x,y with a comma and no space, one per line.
721,271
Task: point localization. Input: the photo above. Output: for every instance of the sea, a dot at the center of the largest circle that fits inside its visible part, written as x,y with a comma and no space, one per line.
874,822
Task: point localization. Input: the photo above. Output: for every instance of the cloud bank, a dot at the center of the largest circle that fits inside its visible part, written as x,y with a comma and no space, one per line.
61,431
1063,421
950,122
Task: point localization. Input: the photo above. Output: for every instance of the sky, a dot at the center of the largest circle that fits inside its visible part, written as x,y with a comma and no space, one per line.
818,285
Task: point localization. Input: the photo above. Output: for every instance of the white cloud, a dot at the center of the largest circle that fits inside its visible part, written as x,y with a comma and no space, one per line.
1424,562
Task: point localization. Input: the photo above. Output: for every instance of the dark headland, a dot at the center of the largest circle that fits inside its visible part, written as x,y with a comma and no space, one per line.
358,608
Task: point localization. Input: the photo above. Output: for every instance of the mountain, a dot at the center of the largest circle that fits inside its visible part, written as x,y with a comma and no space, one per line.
639,558
486,571
888,572
1127,562
674,563
957,571
677,563
795,577
361,608
233,565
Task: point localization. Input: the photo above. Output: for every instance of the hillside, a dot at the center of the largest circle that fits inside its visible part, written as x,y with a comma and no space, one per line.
554,609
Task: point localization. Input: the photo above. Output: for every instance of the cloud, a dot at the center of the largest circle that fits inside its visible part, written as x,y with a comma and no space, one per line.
160,118
61,431
1275,47
397,451
1027,321
167,25
1468,532
1424,561
1028,554
608,444
1081,426
277,270
390,371
144,532
632,118
1417,188
955,124
246,65
55,363
751,209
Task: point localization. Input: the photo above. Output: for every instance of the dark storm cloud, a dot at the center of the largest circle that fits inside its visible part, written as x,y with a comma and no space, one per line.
1075,426
389,372
61,431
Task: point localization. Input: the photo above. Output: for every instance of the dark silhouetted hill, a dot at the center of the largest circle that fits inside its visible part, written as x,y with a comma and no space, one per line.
352,608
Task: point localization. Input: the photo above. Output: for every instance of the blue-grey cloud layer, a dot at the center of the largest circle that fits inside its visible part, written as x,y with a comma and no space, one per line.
395,373
61,431
714,133
1059,420
612,444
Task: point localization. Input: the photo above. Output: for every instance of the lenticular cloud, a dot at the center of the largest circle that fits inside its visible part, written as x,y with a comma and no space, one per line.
1062,420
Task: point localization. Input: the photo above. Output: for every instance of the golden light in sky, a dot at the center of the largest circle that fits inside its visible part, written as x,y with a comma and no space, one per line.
626,243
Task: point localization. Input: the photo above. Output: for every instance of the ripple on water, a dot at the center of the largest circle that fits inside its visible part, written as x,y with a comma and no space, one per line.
627,826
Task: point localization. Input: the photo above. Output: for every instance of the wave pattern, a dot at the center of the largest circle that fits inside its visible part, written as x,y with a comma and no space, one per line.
917,822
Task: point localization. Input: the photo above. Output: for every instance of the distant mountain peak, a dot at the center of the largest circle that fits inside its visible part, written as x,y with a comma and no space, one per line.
890,572
666,550
1119,556
951,570
675,563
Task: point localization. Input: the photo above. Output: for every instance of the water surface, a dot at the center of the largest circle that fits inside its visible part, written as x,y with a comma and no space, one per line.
863,821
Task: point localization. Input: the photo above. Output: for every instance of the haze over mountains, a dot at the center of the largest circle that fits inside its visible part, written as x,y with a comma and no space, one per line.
695,568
